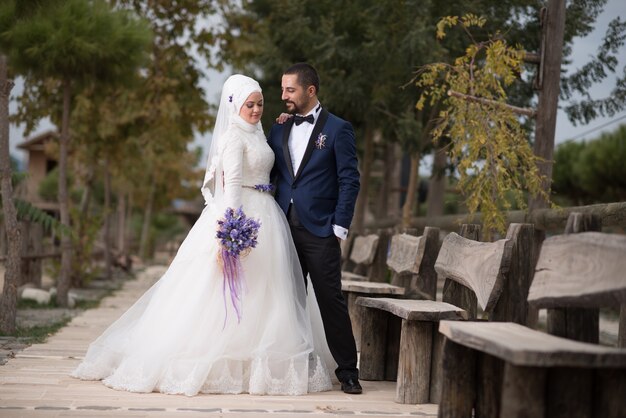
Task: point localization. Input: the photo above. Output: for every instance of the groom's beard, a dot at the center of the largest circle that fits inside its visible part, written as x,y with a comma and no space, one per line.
292,108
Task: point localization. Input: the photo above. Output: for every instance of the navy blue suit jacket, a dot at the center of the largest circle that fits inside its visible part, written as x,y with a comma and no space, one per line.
325,188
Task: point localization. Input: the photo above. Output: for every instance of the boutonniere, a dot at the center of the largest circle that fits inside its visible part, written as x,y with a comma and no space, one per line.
320,143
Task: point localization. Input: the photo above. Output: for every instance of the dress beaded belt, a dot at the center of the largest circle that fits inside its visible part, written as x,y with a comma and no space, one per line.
265,188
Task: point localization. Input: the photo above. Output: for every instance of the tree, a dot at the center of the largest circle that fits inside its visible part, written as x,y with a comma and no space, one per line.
487,141
594,171
73,43
9,12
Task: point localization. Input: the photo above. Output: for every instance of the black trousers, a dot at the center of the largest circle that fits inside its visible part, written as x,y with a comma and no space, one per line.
321,259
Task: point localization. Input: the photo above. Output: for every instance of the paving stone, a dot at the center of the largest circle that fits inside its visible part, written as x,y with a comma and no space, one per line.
200,409
52,408
99,408
247,410
147,409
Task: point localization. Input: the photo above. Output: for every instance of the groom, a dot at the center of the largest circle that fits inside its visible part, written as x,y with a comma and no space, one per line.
315,171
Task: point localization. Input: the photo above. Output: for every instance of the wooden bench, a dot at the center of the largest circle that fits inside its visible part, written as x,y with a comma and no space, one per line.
508,370
362,255
403,250
414,358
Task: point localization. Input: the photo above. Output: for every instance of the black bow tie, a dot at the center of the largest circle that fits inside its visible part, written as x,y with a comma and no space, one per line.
299,119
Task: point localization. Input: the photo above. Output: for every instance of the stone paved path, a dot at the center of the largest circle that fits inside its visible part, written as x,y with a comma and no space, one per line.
36,383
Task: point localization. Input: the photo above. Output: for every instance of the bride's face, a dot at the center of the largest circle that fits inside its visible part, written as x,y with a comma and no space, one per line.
252,108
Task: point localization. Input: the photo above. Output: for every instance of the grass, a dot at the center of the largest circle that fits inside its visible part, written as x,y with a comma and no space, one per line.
40,333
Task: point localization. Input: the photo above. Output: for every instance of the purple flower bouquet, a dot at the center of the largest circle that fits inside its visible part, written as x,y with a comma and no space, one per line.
238,235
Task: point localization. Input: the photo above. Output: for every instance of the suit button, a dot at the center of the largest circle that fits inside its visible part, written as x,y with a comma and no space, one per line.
293,186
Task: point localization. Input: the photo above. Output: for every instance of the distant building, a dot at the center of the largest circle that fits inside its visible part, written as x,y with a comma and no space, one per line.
40,164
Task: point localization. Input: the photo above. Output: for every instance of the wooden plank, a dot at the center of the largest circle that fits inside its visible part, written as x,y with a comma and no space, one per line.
512,305
415,310
566,264
523,346
489,374
403,253
364,249
458,385
456,293
523,392
569,393
413,385
480,266
371,288
580,324
373,344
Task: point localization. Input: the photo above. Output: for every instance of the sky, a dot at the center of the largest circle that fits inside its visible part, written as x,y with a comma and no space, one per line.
583,49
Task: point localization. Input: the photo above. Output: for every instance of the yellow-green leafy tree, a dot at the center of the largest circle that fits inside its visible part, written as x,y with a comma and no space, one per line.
494,160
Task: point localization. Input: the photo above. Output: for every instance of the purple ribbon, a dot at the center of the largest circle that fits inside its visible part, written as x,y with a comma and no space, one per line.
233,279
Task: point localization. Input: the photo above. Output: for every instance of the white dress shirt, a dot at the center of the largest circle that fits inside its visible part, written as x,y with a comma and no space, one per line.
298,140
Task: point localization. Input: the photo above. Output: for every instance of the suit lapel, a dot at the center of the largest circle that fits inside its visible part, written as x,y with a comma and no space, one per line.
321,121
286,130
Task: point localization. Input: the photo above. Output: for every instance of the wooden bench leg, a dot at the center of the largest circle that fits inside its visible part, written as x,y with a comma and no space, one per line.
355,312
435,369
569,393
523,392
608,394
413,385
489,374
373,344
458,383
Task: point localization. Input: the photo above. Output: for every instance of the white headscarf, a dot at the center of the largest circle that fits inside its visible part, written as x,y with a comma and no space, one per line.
235,91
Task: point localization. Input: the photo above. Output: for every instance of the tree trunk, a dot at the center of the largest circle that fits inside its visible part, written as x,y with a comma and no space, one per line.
147,219
107,219
121,223
64,279
437,184
411,192
12,275
361,202
549,86
128,232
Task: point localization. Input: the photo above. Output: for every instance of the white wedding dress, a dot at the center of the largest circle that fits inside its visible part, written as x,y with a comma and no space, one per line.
183,335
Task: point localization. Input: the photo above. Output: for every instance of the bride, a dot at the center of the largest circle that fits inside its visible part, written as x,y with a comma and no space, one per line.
185,334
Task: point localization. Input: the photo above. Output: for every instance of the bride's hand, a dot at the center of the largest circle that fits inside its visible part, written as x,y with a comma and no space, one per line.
284,117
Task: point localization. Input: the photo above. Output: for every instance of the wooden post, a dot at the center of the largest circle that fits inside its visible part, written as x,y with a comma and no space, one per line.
489,376
426,280
414,363
622,326
512,305
373,344
378,269
523,392
458,386
553,29
455,293
569,392
581,324
435,367
609,388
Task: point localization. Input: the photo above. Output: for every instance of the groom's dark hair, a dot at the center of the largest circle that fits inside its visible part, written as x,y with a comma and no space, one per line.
307,75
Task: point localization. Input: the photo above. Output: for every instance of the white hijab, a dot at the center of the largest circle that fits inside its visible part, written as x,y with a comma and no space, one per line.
235,91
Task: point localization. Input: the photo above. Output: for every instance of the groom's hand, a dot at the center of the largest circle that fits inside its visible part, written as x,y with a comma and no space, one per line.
283,117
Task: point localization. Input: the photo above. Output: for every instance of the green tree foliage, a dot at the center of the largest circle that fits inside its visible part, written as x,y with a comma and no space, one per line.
603,63
592,172
74,43
487,141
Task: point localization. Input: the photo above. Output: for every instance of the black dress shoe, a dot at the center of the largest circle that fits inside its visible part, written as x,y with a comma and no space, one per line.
351,386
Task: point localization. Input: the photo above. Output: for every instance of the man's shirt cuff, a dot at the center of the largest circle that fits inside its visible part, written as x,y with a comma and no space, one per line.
340,231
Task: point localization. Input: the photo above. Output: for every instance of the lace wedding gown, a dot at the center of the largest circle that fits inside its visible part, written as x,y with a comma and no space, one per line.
183,335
